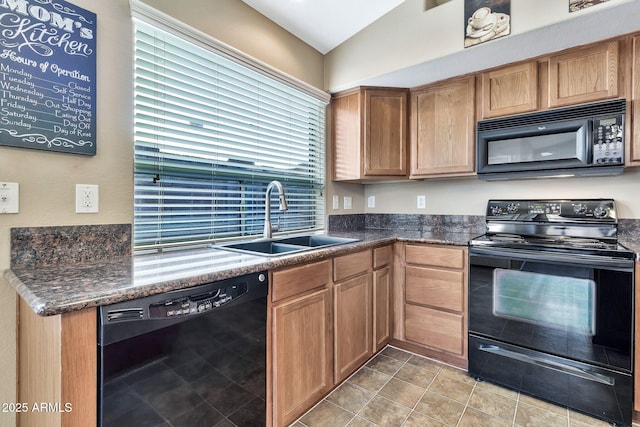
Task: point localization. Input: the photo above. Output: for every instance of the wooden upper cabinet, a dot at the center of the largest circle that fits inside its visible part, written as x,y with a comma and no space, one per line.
442,128
509,90
633,152
584,75
369,134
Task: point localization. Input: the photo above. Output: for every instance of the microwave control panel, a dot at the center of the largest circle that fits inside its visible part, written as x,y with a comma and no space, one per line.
608,140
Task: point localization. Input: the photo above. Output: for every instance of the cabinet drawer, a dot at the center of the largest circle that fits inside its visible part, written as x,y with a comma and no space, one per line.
382,256
296,280
437,256
434,328
350,265
437,288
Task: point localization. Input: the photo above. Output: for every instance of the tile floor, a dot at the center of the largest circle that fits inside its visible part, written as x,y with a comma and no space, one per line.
398,388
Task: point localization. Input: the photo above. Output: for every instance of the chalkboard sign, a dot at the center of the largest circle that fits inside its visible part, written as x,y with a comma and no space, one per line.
47,76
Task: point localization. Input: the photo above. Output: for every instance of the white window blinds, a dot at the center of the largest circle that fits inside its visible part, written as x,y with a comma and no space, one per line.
210,134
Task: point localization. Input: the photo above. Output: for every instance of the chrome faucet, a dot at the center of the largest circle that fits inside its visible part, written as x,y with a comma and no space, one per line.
268,228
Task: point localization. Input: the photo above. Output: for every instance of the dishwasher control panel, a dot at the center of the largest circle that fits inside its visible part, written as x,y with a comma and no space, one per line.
197,303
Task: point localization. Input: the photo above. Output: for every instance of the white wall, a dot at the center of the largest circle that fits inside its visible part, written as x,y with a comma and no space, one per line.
410,46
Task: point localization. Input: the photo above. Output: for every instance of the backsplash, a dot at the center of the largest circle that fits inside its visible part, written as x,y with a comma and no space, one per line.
629,230
423,223
51,246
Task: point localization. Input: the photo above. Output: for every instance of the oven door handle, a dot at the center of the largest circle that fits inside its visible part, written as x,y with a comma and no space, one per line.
559,367
524,255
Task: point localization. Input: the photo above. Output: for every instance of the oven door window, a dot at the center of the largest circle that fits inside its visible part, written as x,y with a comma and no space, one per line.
565,303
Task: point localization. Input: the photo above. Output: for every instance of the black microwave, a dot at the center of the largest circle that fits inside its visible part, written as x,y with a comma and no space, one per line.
583,140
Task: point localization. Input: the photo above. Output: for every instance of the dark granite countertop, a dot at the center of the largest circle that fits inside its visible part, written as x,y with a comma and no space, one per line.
51,290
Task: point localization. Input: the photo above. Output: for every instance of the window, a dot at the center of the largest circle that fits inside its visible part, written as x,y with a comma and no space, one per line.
210,134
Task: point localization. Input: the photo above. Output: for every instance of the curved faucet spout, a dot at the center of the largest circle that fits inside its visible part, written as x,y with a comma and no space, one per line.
268,228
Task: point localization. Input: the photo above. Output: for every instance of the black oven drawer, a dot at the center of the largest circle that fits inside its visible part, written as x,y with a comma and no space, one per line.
602,393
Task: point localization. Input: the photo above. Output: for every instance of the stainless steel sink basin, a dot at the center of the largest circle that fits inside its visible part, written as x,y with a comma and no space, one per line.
285,245
263,247
316,240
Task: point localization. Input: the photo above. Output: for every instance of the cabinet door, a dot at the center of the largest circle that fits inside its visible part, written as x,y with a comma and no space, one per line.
385,134
347,127
584,75
510,90
381,308
442,129
353,335
633,147
301,354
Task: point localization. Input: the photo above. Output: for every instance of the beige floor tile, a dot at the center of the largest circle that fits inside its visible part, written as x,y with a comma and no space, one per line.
440,408
326,414
457,374
402,392
423,362
350,397
475,418
493,404
451,388
421,377
416,419
360,422
385,364
396,353
369,379
384,412
533,416
502,391
557,409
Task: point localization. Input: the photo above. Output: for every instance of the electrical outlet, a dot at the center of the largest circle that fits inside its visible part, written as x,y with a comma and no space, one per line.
371,201
86,198
421,202
9,197
336,202
347,202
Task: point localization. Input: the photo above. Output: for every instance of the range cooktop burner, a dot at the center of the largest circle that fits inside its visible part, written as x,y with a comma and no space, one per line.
573,226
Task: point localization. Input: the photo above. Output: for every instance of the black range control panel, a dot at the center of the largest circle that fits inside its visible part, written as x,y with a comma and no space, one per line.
593,210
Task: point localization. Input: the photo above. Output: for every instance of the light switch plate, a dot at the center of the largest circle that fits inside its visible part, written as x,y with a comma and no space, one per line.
86,198
336,202
421,202
9,197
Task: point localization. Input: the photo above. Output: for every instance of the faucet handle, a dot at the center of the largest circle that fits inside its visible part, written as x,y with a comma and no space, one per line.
275,227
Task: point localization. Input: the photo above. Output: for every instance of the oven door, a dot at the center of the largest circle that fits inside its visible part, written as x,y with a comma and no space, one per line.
553,326
579,307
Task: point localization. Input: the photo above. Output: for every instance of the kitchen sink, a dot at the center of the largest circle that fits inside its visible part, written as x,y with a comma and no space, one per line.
285,245
316,240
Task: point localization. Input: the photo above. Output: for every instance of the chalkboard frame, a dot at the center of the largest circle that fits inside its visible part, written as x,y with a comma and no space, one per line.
48,76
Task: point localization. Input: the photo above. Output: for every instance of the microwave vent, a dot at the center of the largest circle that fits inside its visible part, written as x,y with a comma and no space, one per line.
617,106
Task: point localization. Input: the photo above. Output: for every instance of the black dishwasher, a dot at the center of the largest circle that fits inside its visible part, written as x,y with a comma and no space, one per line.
192,357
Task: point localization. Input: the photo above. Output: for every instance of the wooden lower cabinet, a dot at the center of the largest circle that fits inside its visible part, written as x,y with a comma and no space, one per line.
58,365
382,296
435,328
353,325
435,301
301,340
302,359
381,307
